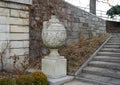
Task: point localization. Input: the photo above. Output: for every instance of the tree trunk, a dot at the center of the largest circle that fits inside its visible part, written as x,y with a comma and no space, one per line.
93,6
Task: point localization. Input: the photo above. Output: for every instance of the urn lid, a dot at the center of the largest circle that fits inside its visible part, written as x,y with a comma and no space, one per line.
54,19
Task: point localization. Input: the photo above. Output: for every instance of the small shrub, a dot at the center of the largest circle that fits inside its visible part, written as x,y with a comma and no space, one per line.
25,80
39,78
7,81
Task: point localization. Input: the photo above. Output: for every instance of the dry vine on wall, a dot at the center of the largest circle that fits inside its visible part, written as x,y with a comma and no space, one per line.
41,11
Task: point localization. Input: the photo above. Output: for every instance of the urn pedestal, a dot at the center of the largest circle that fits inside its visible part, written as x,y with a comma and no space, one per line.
54,67
54,36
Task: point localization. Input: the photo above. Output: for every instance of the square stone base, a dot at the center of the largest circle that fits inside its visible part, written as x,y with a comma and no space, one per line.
54,67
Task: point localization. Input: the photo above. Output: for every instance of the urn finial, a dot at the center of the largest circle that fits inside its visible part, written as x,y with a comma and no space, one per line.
53,17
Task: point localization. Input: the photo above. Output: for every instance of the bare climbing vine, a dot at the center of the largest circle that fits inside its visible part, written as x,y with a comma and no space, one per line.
4,47
41,11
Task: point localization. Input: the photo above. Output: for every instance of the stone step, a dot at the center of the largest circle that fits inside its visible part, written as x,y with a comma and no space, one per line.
110,50
112,43
108,54
110,65
79,82
112,39
102,72
100,79
111,46
115,38
107,59
91,81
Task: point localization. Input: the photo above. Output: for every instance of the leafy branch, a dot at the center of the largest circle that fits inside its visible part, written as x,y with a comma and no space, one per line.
113,11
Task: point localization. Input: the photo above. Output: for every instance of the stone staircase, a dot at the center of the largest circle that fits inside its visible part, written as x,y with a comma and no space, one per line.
103,68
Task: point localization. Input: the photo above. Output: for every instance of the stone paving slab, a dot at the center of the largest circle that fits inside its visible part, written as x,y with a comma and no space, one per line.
78,82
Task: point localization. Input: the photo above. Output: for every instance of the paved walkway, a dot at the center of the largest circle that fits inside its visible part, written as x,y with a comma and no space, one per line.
79,82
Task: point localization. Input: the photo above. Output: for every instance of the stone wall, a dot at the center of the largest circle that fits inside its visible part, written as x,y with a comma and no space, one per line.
83,21
75,20
14,29
113,27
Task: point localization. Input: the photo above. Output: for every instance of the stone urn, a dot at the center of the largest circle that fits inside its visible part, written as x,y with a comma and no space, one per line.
54,36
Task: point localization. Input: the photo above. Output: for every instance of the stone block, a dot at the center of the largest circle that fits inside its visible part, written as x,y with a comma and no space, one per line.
85,25
69,11
19,29
4,28
8,63
101,28
94,33
19,51
76,20
19,13
19,44
82,19
4,20
54,67
21,1
4,11
13,5
20,36
3,4
4,36
76,27
75,34
18,21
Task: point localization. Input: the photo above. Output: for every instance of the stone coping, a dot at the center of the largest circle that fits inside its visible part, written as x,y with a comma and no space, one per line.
21,1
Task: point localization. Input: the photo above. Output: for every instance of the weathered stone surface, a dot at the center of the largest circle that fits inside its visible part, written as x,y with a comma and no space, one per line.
18,21
21,1
19,29
19,44
53,35
50,67
108,54
75,19
78,82
60,81
4,12
19,13
4,36
20,36
104,67
102,64
19,51
13,5
14,29
82,19
4,28
4,20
